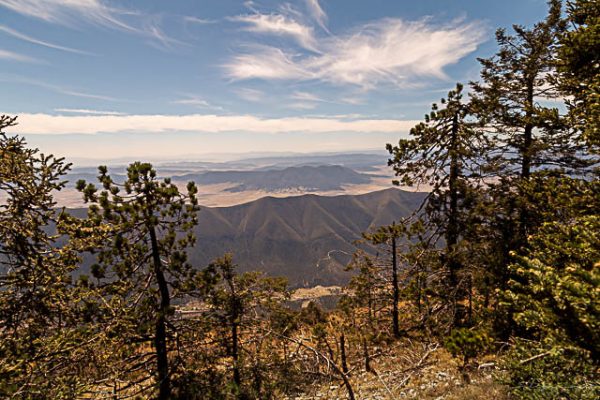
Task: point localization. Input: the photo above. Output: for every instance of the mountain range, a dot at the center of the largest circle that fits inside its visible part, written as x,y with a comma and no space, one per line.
306,178
308,239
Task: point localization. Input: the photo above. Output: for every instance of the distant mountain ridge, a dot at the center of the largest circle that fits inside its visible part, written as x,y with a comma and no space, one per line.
355,161
307,178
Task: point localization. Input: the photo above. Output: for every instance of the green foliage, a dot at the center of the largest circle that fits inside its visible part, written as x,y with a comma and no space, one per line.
508,99
579,67
445,153
467,343
368,287
556,304
139,232
40,332
445,137
531,144
241,310
550,370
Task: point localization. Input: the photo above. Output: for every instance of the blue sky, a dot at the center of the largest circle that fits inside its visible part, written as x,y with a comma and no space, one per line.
156,79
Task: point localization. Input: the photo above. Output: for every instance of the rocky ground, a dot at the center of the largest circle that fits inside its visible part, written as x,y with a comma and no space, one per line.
434,374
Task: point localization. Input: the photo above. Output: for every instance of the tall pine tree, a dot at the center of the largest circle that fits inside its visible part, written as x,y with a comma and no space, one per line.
41,351
142,262
444,154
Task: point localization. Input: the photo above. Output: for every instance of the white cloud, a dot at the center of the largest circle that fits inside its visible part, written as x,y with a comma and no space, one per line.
386,51
266,63
11,56
39,42
355,101
305,96
87,111
54,88
98,12
353,116
159,39
248,94
67,12
195,101
317,13
300,105
199,21
278,24
45,124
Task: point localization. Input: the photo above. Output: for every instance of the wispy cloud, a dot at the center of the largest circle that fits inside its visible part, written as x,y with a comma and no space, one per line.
98,12
45,124
30,39
266,63
301,105
69,12
278,24
197,102
305,96
355,101
55,88
86,111
317,13
159,39
11,56
390,51
199,21
76,93
309,101
248,94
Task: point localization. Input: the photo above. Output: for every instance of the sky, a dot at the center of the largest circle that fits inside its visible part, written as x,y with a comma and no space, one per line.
203,79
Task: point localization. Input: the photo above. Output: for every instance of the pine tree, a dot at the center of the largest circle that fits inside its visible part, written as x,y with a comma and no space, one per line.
367,294
141,230
529,139
526,135
579,68
367,287
240,311
556,303
388,236
40,343
444,154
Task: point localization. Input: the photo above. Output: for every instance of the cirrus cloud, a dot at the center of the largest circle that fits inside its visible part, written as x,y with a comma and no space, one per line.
19,35
266,63
68,12
278,24
12,56
317,13
98,12
390,50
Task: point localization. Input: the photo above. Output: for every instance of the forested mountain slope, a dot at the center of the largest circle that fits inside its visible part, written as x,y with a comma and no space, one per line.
307,239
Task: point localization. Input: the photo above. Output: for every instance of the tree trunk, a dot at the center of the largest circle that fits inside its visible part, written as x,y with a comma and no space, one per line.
160,330
396,289
419,289
366,355
343,353
526,154
527,134
235,313
470,294
237,379
452,230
